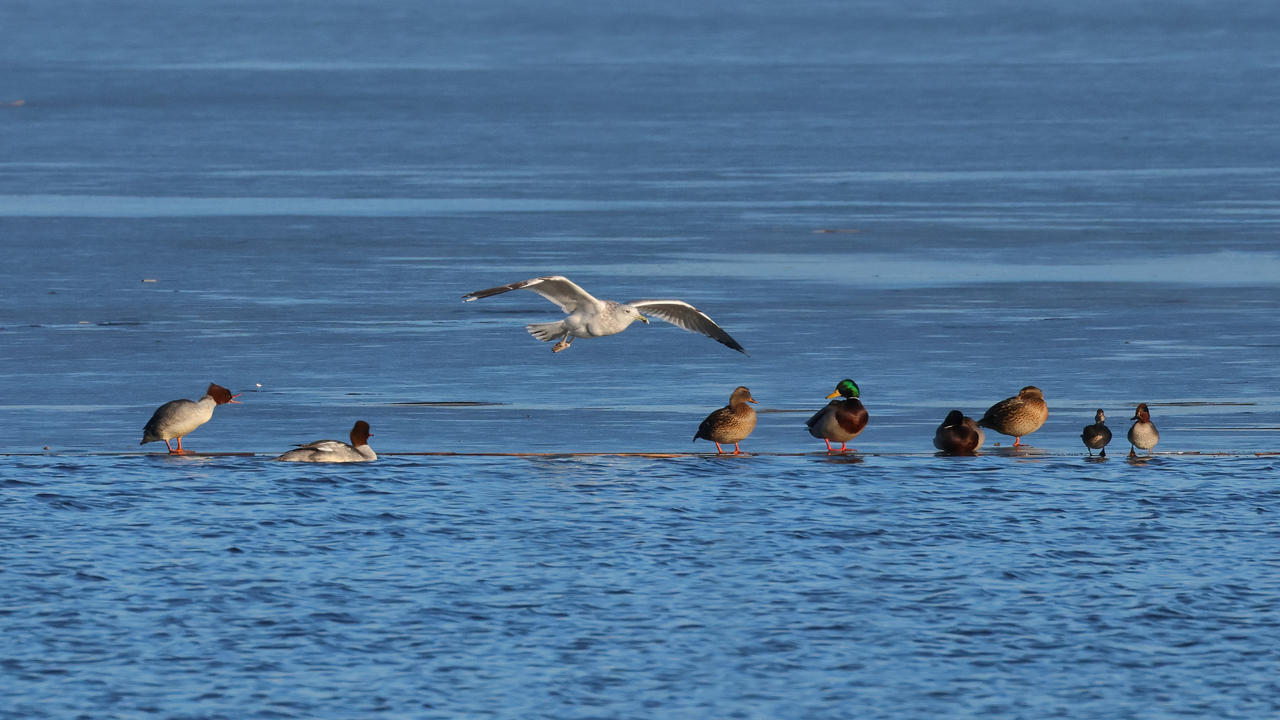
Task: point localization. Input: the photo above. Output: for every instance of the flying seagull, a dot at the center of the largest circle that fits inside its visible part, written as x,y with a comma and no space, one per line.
589,317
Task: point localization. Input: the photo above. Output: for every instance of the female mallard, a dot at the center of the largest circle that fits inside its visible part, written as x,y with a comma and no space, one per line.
842,419
1143,435
1017,416
730,424
1097,435
958,435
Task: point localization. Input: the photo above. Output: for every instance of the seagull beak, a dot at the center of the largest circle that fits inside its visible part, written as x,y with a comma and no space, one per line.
834,394
644,320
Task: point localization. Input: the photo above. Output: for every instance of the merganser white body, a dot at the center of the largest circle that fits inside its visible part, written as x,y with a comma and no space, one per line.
332,451
176,418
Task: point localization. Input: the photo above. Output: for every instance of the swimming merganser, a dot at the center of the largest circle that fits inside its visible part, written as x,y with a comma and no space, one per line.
332,451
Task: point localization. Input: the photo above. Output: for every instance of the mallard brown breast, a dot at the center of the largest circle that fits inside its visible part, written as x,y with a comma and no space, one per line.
842,419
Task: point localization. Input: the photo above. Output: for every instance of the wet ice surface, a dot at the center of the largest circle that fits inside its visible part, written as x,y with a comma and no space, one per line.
944,206
320,330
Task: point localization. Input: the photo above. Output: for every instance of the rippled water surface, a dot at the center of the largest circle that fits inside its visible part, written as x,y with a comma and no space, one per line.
610,587
943,201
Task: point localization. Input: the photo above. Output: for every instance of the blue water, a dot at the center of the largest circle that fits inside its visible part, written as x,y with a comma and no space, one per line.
944,201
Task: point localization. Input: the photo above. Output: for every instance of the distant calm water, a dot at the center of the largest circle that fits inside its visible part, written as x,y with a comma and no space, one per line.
943,201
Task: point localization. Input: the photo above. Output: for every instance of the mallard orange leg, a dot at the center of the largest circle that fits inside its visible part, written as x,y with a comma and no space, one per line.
844,446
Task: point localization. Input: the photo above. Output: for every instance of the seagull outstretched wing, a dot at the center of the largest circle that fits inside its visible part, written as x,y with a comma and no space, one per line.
683,315
556,288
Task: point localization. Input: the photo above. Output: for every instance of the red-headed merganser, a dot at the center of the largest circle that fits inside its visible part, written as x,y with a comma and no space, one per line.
176,418
332,451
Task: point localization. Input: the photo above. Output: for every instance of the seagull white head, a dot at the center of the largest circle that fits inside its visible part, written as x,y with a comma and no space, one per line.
634,314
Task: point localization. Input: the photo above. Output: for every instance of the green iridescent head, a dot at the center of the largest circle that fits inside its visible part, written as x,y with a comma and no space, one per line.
846,388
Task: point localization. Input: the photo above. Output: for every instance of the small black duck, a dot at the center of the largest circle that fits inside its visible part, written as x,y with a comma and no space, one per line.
730,424
958,435
1019,415
1143,434
1097,435
842,419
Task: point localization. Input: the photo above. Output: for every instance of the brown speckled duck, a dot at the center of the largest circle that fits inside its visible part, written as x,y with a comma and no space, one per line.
730,424
842,419
1143,435
1097,435
958,435
1019,415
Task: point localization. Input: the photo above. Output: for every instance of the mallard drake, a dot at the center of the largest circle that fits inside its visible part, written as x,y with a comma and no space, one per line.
176,418
842,419
333,451
958,435
730,424
1143,434
1019,415
1097,435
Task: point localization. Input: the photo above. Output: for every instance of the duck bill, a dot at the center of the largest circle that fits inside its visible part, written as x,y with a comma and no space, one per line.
233,399
834,394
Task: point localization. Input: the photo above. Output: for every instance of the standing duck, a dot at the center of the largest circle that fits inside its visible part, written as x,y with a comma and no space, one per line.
730,424
842,419
1019,415
1097,435
333,451
958,435
1143,434
176,418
